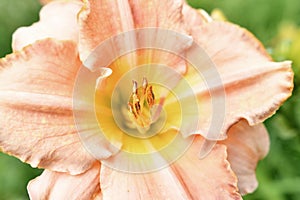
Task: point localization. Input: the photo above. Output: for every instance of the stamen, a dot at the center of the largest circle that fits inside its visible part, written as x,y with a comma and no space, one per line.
134,88
140,103
150,96
145,83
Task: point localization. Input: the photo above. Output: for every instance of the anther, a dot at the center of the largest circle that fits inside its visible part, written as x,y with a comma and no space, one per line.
130,107
145,83
134,88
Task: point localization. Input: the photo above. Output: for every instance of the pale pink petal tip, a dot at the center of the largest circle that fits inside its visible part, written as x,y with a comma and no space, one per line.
58,19
55,185
246,146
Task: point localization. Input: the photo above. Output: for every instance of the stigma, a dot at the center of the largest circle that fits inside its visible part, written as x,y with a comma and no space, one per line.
139,105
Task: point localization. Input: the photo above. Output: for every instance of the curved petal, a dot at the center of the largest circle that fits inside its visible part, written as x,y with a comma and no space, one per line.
207,178
164,14
187,178
194,18
254,86
159,185
101,19
36,116
227,44
246,146
56,185
58,19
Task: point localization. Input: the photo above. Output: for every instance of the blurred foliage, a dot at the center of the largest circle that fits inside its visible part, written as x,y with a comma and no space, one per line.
14,176
15,13
275,22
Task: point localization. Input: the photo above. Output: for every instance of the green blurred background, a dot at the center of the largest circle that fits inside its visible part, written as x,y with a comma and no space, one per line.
275,22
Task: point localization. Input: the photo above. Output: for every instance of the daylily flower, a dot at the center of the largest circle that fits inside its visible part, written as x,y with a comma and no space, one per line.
38,113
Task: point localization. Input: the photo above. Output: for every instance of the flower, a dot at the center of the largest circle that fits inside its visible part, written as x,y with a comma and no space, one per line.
46,98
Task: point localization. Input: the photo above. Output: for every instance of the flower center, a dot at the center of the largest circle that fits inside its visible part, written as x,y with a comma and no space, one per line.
140,106
139,115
